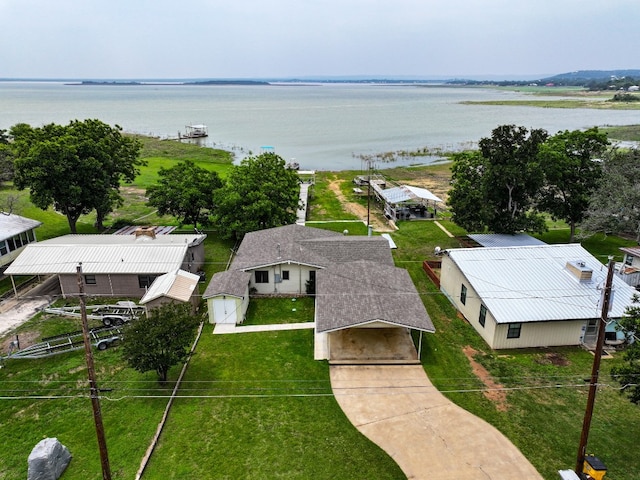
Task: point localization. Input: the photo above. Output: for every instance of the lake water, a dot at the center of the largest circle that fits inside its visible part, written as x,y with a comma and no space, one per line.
319,126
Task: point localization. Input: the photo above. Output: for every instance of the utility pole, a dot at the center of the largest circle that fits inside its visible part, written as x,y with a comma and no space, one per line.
595,370
93,386
368,196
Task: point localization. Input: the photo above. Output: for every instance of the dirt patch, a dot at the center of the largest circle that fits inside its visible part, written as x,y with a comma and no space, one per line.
26,340
134,192
378,221
553,358
494,391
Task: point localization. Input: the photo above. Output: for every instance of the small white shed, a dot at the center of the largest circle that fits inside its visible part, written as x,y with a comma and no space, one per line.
227,297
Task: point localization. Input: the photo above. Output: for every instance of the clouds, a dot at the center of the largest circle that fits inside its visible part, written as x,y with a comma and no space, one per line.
275,38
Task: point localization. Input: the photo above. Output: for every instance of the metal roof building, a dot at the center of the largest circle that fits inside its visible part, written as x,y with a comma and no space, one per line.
504,291
406,193
104,254
15,233
172,286
12,224
505,240
112,265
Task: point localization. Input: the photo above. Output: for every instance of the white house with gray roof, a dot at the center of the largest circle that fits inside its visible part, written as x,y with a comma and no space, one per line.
283,260
361,297
530,296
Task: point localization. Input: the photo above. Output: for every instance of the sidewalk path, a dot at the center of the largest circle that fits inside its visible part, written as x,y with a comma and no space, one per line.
430,437
223,328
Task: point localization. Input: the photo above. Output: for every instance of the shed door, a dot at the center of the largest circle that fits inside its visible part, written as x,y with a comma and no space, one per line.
224,310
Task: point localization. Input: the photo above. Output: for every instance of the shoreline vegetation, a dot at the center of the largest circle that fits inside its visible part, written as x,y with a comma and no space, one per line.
578,97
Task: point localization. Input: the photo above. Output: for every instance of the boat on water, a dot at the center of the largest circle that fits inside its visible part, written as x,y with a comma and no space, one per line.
195,131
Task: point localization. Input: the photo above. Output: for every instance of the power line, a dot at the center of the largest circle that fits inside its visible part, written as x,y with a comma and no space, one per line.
364,390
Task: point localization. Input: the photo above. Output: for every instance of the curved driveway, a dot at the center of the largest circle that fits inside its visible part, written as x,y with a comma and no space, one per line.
398,408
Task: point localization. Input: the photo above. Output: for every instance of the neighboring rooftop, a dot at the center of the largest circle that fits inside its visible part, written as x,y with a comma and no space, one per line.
231,282
505,240
535,283
406,193
178,285
12,224
125,254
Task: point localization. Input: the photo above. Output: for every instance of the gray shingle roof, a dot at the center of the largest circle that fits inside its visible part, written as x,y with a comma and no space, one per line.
357,293
231,282
349,249
307,246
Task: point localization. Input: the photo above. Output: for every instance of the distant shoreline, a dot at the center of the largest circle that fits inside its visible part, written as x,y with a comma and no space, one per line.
145,84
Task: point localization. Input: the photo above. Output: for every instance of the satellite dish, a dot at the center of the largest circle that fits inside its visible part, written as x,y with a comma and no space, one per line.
437,251
345,232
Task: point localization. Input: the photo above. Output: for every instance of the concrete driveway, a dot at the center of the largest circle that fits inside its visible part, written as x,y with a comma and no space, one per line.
398,408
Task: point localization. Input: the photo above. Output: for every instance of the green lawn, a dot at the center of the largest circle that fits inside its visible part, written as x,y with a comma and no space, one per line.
262,407
264,410
64,411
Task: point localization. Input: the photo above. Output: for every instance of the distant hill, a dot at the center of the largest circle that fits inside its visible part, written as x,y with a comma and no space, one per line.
591,75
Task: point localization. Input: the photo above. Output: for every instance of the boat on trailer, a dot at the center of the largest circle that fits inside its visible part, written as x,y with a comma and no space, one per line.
195,131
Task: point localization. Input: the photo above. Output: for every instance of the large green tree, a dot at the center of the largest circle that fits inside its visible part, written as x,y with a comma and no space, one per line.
160,340
185,191
628,374
466,199
572,168
614,207
259,193
501,184
76,168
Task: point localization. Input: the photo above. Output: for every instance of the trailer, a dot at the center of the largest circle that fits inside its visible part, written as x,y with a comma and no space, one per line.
114,314
101,338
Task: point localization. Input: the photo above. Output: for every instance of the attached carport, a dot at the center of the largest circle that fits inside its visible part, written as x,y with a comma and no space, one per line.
365,312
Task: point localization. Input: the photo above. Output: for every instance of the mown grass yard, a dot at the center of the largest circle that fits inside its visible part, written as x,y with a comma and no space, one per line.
256,405
262,408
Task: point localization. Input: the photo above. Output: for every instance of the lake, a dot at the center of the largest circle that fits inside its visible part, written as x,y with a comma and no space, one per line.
323,126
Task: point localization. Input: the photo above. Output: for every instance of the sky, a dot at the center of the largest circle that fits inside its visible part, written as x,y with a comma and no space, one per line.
153,39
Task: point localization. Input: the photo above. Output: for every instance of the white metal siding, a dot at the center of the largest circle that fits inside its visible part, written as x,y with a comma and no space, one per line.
540,334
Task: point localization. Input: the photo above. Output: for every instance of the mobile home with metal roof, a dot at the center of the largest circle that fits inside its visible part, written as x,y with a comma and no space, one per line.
112,265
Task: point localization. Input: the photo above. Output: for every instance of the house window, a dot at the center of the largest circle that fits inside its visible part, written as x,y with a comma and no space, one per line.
463,295
285,275
514,330
628,259
3,248
483,315
90,280
262,276
145,281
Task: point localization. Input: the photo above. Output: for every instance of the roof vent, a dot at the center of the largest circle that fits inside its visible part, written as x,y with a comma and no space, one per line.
580,270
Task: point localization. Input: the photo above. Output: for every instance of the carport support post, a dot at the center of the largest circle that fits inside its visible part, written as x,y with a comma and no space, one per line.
93,386
593,385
